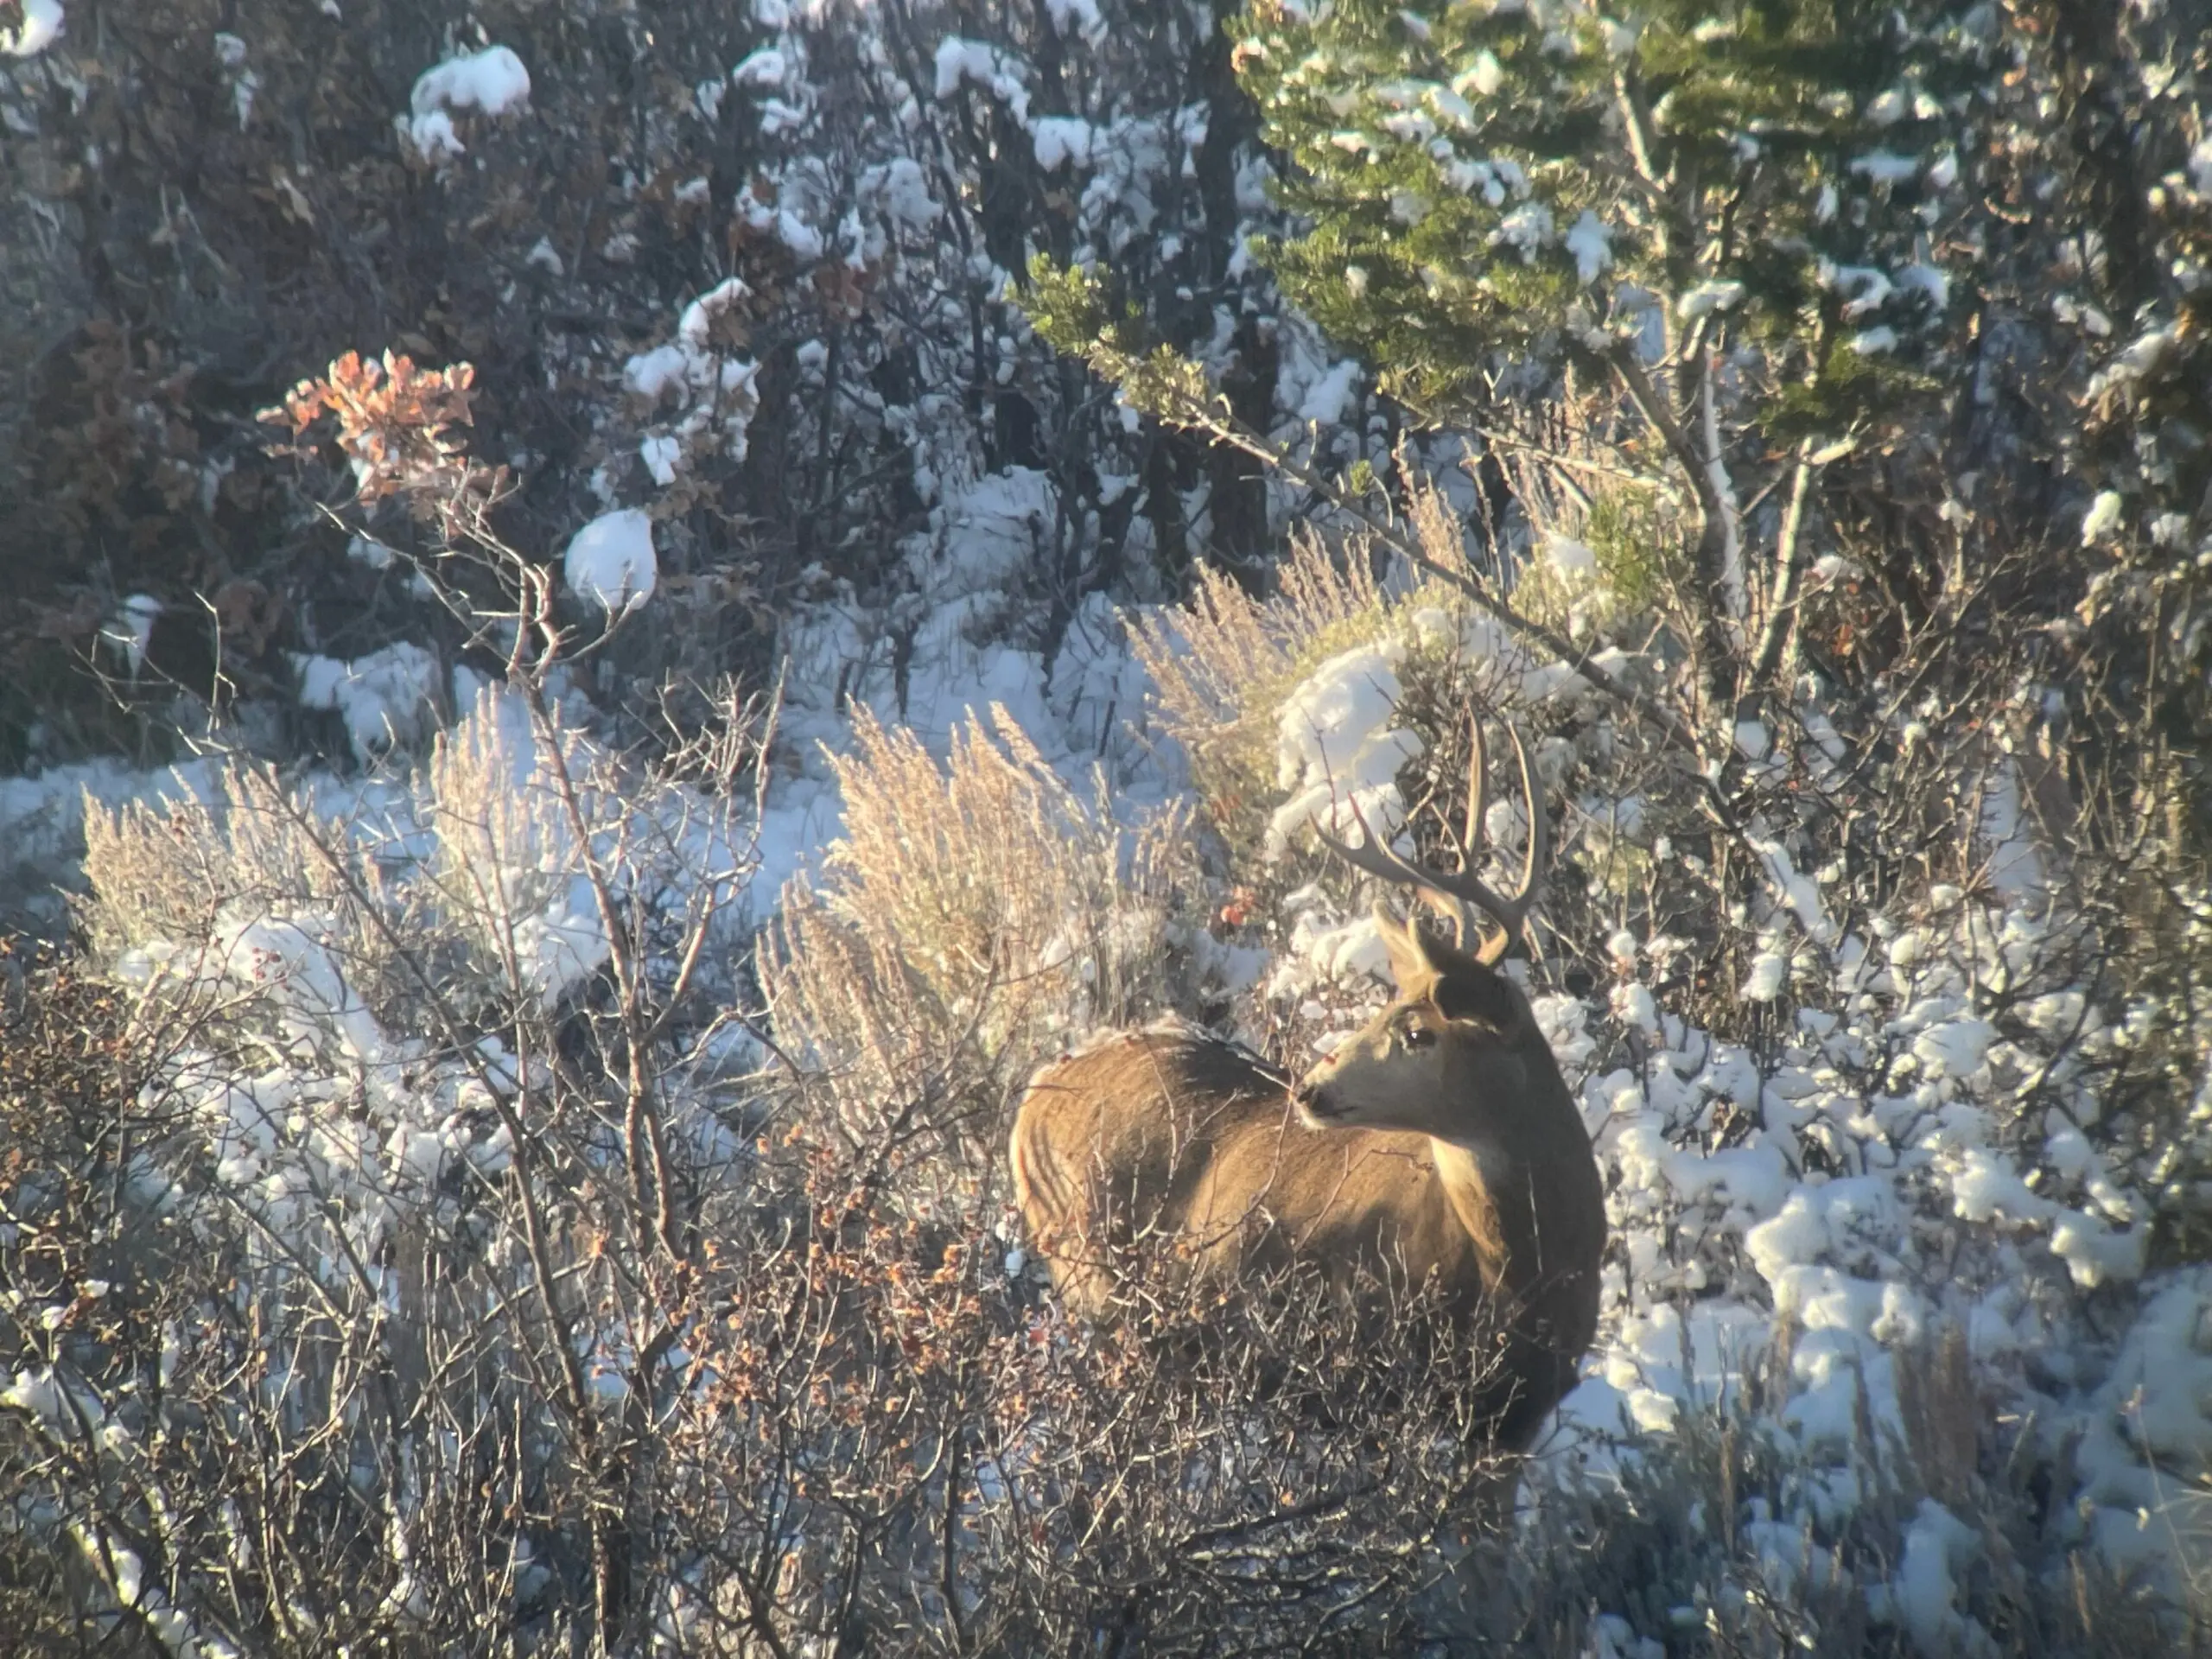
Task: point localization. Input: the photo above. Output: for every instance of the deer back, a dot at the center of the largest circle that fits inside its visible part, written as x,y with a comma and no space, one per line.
1171,1139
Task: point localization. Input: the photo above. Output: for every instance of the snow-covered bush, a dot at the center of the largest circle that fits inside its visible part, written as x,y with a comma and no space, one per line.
425,1086
1707,1541
1860,1128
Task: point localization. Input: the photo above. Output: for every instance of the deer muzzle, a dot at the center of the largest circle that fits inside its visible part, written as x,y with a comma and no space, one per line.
1311,1096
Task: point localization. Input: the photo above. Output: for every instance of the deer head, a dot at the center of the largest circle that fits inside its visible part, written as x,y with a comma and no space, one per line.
1453,1048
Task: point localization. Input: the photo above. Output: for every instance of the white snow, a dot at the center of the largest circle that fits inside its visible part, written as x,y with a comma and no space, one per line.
1325,399
2140,357
651,373
611,561
132,629
1927,281
696,327
1884,168
903,189
1528,229
40,27
765,67
1924,1593
1588,241
386,698
1060,139
713,392
230,53
1707,297
1568,556
1635,1007
1337,757
1481,78
1003,77
1868,287
660,454
1955,1048
803,239
2103,518
1769,974
492,82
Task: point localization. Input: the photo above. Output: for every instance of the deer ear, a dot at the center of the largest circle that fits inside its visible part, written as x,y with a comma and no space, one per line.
1410,963
1475,994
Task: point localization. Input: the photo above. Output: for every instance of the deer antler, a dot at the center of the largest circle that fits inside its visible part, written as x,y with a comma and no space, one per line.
1462,888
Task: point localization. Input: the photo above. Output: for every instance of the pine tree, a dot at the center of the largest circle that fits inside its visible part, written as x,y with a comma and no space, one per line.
1729,213
1536,180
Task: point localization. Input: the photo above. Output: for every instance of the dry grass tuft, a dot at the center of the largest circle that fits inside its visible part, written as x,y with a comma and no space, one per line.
160,872
1222,666
1943,1412
974,916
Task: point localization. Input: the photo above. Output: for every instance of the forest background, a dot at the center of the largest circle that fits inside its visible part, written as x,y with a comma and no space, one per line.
622,615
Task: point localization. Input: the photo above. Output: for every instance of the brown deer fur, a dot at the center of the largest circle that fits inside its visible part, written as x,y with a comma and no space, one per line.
1441,1141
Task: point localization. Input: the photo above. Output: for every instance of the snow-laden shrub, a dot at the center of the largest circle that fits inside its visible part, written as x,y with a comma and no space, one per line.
1858,1126
424,1107
381,955
1705,1540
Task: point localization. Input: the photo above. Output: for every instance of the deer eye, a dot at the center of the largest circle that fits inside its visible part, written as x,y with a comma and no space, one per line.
1412,1033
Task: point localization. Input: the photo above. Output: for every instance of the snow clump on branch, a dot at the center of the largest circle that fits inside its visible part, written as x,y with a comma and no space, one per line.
491,82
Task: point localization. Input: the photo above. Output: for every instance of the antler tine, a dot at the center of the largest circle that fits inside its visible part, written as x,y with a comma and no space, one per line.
1463,888
1478,774
1537,861
1511,914
1373,856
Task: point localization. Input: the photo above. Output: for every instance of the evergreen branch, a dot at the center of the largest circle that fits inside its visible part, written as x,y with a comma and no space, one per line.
1068,308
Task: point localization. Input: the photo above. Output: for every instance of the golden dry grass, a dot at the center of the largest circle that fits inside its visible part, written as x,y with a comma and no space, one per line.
1222,667
161,871
975,914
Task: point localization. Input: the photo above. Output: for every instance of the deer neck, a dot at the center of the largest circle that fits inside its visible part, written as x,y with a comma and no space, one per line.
1471,1169
1492,1179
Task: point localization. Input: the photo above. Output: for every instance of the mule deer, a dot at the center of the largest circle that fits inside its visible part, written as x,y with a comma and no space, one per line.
1439,1146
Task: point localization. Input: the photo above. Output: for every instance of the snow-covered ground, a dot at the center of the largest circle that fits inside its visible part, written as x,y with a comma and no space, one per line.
1921,1205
